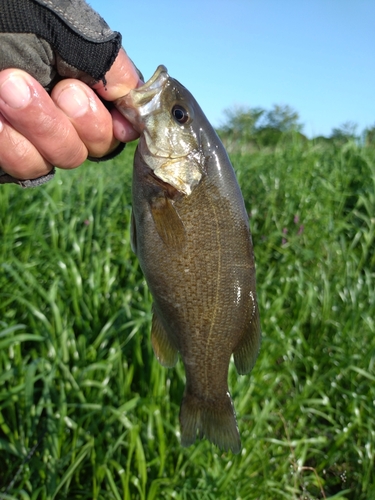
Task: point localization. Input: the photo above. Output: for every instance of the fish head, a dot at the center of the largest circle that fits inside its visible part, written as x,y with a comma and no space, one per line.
169,121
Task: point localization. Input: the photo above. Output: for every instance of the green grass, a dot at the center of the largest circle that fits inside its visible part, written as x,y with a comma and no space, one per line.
86,412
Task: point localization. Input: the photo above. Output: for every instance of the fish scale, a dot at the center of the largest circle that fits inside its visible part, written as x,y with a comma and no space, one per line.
191,234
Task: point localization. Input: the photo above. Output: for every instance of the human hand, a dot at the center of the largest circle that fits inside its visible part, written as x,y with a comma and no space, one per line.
39,131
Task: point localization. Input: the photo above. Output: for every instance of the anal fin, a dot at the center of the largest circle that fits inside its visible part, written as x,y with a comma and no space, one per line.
165,352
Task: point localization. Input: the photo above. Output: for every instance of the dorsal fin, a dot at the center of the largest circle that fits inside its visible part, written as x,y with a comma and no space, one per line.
247,350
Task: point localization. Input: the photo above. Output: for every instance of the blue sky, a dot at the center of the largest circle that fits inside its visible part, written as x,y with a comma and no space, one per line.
317,56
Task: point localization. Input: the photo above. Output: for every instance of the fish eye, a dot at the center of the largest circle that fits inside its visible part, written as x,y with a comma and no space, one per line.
180,114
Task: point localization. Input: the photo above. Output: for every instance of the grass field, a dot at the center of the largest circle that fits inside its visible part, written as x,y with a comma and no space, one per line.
86,412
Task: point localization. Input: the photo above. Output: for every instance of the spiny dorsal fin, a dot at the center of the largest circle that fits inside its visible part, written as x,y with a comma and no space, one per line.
247,351
165,352
167,222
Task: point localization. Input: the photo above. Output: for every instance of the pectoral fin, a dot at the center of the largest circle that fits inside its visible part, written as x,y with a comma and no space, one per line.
165,352
247,351
167,222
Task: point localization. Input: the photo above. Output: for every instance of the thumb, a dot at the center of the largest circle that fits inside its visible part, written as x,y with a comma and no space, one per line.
120,79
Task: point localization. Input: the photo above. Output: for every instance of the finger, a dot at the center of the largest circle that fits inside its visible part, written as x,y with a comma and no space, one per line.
122,129
120,79
18,157
90,118
30,110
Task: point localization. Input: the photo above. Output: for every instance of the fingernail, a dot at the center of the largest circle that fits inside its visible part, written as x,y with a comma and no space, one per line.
15,92
73,101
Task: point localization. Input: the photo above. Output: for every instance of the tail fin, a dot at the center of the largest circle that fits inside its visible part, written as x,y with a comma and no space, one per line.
214,419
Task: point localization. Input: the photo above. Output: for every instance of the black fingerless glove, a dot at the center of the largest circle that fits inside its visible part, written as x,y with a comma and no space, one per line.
55,39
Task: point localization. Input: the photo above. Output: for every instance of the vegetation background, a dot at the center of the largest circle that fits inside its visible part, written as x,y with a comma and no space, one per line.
86,412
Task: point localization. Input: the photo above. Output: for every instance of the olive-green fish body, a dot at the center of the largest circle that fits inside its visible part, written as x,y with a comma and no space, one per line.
191,234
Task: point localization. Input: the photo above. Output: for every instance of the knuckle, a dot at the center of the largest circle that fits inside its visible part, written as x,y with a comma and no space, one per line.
18,156
25,162
98,135
70,157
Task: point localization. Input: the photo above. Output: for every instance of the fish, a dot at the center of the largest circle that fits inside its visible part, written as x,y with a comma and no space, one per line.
190,232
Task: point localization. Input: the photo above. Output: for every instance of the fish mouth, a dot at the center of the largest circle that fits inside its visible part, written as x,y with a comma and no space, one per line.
145,99
148,90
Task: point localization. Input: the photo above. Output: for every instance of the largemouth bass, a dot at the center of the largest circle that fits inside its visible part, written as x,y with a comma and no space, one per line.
191,234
